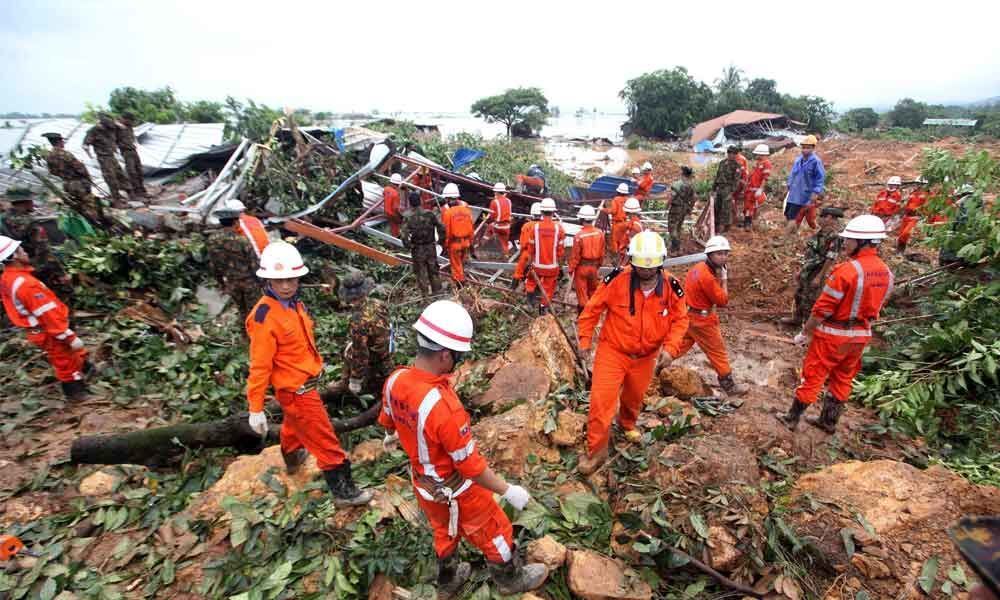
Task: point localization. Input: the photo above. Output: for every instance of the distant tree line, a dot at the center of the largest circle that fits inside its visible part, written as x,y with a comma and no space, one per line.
910,114
668,102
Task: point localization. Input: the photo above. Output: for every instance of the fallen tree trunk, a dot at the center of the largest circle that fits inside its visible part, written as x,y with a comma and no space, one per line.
157,445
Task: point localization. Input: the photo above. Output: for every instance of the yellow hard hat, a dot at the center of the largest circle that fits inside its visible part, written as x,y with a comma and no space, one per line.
809,140
647,249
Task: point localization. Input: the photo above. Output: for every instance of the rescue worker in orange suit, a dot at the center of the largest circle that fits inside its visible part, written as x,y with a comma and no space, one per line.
645,319
453,484
706,287
522,242
616,213
632,226
250,226
32,306
754,196
391,204
499,219
586,256
425,181
457,220
283,355
911,213
544,250
839,328
889,201
645,184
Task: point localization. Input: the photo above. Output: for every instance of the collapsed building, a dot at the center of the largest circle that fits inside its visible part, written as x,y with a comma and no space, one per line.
746,127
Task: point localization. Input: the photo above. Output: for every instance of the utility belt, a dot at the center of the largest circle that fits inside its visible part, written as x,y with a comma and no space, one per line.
700,312
310,385
642,356
849,328
595,262
444,491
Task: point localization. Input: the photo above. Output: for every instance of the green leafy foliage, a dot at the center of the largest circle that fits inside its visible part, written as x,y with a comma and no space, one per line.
858,119
250,120
523,110
665,102
908,113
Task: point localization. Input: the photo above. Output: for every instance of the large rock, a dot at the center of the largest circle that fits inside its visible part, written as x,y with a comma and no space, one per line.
715,459
569,428
595,577
512,384
681,382
367,451
548,551
99,483
545,347
724,554
507,439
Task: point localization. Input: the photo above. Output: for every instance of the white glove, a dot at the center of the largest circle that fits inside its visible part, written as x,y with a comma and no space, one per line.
517,496
390,442
354,385
258,422
76,344
725,273
759,193
800,339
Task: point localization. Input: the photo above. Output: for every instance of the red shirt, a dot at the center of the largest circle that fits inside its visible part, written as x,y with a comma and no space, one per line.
761,173
887,203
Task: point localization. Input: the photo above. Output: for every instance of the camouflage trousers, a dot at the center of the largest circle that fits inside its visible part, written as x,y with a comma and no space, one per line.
675,220
244,295
82,200
113,175
133,166
425,269
805,296
723,208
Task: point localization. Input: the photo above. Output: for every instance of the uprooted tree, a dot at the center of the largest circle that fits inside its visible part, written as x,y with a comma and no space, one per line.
522,110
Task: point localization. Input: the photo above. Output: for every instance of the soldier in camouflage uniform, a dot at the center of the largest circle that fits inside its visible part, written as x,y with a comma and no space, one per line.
233,262
418,232
728,179
19,223
681,203
103,138
76,180
821,251
368,355
126,145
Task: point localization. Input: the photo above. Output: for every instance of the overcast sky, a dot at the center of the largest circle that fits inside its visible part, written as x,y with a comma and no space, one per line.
425,55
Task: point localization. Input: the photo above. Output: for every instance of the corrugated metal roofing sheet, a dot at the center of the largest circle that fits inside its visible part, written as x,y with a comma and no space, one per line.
953,122
707,129
160,147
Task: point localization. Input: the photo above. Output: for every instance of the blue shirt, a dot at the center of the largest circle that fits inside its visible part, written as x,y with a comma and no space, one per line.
806,178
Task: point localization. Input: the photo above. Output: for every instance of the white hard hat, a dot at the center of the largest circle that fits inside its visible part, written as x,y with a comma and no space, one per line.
635,170
587,213
7,247
450,191
229,210
236,205
499,188
716,243
281,260
762,150
396,179
921,180
474,175
894,180
447,324
864,227
536,209
632,206
622,188
548,205
647,249
647,166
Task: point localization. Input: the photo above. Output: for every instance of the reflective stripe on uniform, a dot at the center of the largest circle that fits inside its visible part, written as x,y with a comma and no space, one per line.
859,290
844,332
463,453
538,251
832,292
423,455
65,334
502,548
888,292
387,401
18,306
580,236
41,310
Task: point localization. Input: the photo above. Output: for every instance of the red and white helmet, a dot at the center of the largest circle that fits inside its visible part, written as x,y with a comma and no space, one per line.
281,260
632,206
447,324
8,246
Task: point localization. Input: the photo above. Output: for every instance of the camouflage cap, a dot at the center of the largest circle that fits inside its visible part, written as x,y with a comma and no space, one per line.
53,137
355,285
18,194
832,211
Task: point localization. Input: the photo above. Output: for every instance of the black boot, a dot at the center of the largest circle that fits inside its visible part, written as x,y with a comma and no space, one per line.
341,485
729,385
451,577
829,416
294,460
512,578
74,391
791,418
748,222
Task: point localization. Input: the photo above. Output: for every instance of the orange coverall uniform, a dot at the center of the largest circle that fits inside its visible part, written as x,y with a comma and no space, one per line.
635,329
632,226
584,261
914,204
31,305
544,248
434,430
643,187
758,179
283,355
500,222
616,212
390,205
704,293
425,181
458,235
854,294
887,204
744,177
253,230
